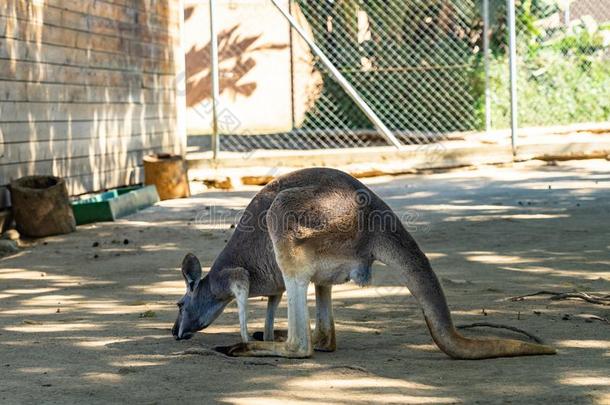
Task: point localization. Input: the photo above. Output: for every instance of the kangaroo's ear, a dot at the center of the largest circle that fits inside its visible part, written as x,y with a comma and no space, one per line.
191,271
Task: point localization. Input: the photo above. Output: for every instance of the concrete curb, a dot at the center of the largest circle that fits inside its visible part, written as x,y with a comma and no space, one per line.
259,167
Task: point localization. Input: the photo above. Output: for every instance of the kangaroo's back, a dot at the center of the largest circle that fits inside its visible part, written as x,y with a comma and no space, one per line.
250,245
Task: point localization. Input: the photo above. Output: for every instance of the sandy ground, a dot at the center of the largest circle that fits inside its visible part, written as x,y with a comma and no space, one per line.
85,324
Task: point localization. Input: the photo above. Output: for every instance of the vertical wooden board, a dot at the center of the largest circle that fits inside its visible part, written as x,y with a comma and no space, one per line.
42,33
18,132
18,50
36,72
66,167
85,183
86,88
31,112
35,151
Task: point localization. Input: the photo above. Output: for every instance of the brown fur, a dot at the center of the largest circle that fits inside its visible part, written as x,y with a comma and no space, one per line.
324,226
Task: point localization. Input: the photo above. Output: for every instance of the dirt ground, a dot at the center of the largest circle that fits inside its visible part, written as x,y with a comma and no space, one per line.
81,323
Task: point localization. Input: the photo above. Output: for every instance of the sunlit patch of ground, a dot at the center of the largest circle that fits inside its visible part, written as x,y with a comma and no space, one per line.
90,324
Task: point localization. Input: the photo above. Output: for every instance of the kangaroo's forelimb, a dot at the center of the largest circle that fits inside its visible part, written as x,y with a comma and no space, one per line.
273,302
298,344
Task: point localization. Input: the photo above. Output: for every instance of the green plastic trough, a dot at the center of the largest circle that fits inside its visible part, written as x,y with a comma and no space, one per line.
113,204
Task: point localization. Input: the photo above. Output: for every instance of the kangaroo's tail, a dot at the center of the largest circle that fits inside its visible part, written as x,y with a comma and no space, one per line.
398,249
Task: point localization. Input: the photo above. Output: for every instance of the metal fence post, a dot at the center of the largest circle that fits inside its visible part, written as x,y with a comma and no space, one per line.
486,62
512,44
291,46
215,80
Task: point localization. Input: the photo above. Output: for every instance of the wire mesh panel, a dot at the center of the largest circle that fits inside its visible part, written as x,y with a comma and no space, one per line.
417,64
563,50
414,62
271,93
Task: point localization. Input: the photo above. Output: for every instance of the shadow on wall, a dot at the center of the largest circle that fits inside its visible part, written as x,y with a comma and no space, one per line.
85,92
231,47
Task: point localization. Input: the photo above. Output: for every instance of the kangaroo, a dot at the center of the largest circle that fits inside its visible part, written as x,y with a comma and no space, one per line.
323,226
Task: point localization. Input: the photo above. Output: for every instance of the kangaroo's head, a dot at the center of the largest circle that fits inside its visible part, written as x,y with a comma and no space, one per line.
198,308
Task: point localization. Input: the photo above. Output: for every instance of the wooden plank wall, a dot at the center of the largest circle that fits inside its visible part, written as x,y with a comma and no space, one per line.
87,88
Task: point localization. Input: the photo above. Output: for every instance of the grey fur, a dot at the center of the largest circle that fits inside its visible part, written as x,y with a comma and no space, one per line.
324,226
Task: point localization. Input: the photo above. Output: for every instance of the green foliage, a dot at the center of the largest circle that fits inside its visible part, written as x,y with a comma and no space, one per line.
417,51
564,78
421,68
584,39
554,94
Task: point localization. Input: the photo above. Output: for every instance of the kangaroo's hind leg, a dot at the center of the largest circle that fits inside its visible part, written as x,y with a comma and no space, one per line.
324,334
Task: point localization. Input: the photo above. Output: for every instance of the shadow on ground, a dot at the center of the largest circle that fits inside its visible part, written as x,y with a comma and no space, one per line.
80,322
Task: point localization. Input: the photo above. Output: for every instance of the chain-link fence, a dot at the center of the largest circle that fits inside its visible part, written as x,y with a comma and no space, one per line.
423,67
563,63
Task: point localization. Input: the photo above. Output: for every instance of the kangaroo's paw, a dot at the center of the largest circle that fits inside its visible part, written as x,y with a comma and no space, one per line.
324,342
278,335
260,349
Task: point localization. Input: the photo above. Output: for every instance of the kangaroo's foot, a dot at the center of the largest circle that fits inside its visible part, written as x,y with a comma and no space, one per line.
278,336
262,349
324,341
